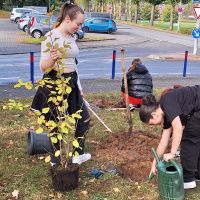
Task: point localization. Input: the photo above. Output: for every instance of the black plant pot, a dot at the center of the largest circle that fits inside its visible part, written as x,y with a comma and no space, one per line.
65,179
38,143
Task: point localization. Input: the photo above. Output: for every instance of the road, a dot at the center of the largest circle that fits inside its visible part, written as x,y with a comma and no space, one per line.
97,62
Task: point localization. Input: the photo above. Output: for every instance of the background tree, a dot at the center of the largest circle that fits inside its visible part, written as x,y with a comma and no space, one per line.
136,2
1,4
153,3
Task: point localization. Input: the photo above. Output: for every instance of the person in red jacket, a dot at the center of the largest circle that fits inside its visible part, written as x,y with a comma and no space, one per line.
139,84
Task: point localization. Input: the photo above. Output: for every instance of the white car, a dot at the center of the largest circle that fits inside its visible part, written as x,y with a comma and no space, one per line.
17,13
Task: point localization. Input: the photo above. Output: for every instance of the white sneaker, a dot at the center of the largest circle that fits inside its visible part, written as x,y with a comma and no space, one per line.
190,185
81,158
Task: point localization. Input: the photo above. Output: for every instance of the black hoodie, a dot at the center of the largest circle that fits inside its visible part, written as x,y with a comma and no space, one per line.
139,82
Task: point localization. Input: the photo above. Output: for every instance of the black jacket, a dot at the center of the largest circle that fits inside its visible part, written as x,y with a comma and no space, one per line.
139,82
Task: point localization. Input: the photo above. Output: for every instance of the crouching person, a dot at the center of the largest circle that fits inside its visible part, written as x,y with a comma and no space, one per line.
139,82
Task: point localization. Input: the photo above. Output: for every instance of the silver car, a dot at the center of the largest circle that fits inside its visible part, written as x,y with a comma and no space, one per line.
39,25
24,20
17,13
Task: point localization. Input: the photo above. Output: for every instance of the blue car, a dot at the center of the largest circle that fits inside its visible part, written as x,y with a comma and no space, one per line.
99,25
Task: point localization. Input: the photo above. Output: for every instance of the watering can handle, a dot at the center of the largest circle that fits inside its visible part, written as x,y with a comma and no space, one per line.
155,154
177,168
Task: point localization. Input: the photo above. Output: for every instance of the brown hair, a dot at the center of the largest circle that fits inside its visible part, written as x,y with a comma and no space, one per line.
134,63
149,105
70,10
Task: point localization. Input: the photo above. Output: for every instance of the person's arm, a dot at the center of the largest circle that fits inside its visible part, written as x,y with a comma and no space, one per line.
162,147
176,138
47,59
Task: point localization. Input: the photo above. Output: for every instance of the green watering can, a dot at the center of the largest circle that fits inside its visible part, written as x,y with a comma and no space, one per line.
170,179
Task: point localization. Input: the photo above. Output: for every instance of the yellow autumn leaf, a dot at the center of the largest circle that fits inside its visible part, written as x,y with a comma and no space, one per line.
59,98
70,154
39,130
47,159
45,110
64,130
76,153
71,120
57,153
54,140
59,137
75,144
76,116
68,90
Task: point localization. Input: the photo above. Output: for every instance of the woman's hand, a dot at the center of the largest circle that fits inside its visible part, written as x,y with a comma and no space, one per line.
54,54
168,156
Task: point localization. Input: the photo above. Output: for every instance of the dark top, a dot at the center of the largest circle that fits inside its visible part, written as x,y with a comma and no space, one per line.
185,103
139,82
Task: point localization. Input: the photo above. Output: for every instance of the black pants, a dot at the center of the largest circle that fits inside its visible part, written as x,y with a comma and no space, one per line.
190,160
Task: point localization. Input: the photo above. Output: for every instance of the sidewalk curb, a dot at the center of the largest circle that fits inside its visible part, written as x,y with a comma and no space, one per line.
178,57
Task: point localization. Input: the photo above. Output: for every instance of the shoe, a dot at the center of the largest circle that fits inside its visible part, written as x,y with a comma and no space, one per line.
132,107
81,158
190,185
53,165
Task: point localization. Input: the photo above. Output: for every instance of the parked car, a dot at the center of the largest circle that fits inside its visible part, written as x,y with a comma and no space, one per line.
24,20
39,25
99,25
17,13
79,34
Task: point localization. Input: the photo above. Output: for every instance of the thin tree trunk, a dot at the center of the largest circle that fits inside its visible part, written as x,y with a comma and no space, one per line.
130,10
114,10
126,94
152,14
136,12
120,9
126,10
102,7
171,18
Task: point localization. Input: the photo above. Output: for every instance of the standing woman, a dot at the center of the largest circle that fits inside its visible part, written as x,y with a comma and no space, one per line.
69,21
178,111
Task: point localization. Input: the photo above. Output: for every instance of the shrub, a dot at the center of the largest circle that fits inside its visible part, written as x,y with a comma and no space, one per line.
166,14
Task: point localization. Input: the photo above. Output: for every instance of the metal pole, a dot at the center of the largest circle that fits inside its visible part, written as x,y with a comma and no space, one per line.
196,40
179,17
185,64
113,64
32,67
49,5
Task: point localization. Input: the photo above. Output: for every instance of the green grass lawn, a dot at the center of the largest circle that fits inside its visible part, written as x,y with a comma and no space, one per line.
185,26
30,175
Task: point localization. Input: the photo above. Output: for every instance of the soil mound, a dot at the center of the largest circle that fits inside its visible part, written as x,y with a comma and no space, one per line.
130,154
107,103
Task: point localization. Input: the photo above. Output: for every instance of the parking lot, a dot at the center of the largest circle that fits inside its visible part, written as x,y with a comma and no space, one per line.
10,37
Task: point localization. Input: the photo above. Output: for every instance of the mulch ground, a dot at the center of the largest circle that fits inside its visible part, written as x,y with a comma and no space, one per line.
130,154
